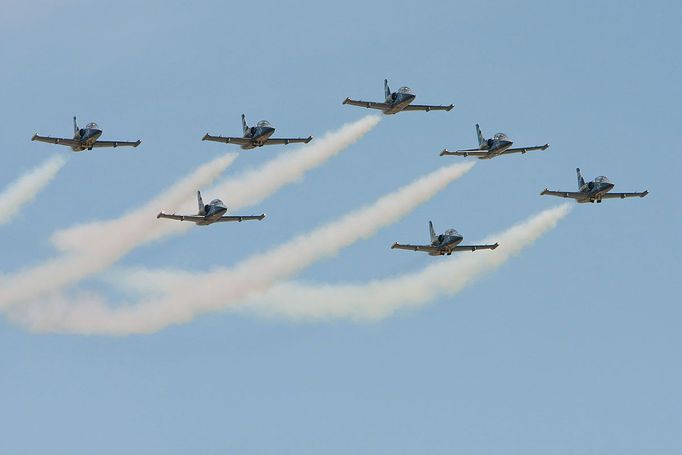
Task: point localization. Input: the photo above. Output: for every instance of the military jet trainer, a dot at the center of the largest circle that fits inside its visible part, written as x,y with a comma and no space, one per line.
444,244
210,213
256,136
397,102
500,144
593,191
84,139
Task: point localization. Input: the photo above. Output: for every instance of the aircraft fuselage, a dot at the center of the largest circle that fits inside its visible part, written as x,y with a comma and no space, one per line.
495,147
594,191
445,243
258,136
398,102
87,138
212,214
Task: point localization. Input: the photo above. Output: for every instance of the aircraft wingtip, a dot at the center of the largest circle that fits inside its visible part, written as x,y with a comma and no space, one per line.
496,245
34,137
159,215
394,245
450,107
543,192
346,101
444,152
205,137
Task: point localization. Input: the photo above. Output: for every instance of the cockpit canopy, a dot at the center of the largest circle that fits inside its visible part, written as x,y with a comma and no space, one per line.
406,90
263,124
452,233
217,202
602,179
92,126
501,137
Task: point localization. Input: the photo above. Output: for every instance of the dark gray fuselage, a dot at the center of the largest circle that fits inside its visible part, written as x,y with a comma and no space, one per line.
398,101
258,136
445,243
212,212
86,137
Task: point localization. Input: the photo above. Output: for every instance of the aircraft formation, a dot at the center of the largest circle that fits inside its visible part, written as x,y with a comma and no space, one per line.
399,101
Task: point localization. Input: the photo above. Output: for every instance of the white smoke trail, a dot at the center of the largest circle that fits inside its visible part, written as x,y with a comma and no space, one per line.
247,189
92,247
26,188
105,245
380,298
181,296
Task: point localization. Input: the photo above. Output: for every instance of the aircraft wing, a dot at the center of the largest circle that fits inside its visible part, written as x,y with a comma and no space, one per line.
227,140
427,108
116,144
472,152
367,104
285,141
56,140
475,247
193,218
427,248
525,149
241,218
565,194
624,195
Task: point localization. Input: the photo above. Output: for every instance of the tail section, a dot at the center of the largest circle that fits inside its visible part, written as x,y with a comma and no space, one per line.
202,210
481,139
75,126
581,180
245,127
387,90
434,237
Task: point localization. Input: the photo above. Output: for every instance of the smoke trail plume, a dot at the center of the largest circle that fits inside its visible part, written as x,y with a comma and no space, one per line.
103,246
380,298
92,247
178,297
26,188
245,190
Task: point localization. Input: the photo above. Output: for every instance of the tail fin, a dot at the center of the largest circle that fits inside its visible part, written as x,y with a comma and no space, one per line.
75,125
481,139
200,201
387,90
245,127
432,232
581,180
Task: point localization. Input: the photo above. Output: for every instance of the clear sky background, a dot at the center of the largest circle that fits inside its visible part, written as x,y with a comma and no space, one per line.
571,348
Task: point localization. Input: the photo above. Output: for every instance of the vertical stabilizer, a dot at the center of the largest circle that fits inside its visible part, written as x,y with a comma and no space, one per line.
245,127
481,139
581,180
75,126
434,237
387,90
202,210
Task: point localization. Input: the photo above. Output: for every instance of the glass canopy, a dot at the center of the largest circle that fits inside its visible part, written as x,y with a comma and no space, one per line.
264,124
217,202
92,126
406,90
452,232
501,137
602,179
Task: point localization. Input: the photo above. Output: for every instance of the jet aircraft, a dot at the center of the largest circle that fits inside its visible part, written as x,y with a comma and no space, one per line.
500,144
84,139
593,191
209,214
256,136
444,244
396,102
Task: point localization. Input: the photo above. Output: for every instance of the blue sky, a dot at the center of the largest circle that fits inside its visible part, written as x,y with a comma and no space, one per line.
572,347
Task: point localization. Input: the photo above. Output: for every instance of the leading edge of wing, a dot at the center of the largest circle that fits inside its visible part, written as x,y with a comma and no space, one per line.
564,194
173,216
226,140
115,144
367,104
241,218
525,149
471,152
624,195
288,140
427,107
428,248
475,247
55,140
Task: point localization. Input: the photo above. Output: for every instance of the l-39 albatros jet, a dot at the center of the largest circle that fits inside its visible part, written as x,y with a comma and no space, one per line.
84,139
444,244
500,144
593,191
397,102
256,136
210,213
